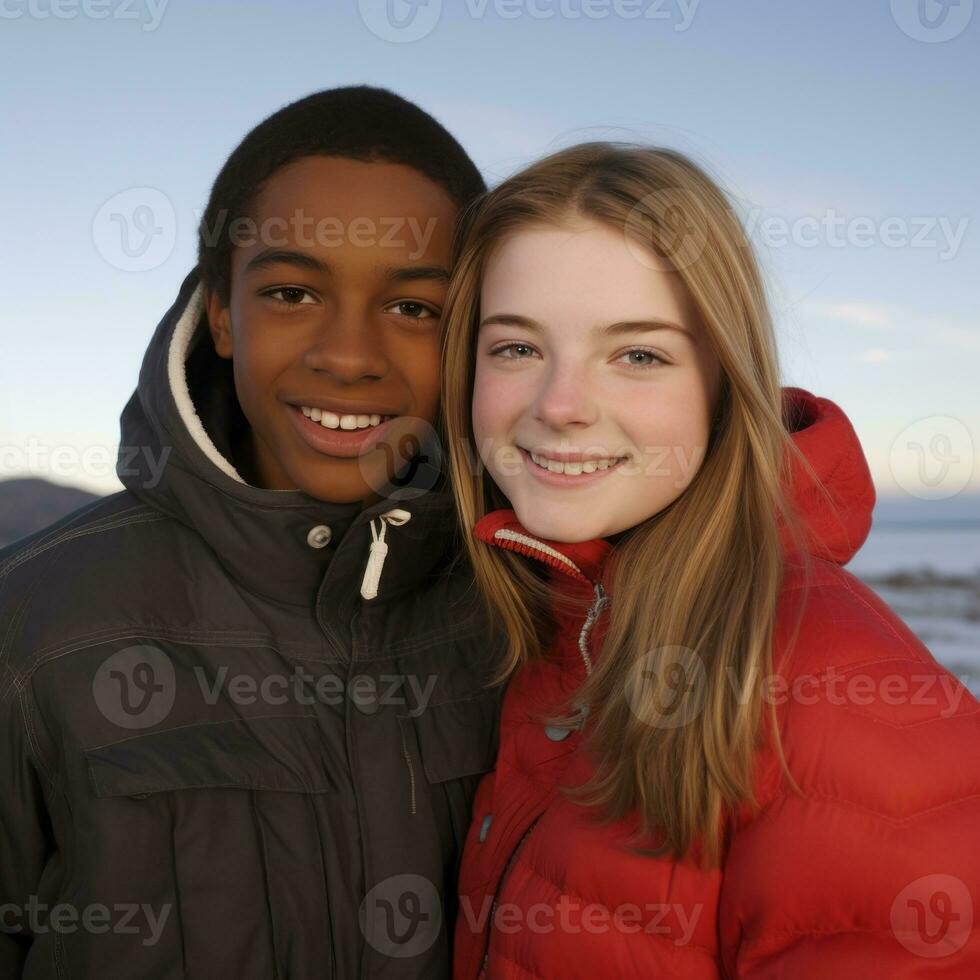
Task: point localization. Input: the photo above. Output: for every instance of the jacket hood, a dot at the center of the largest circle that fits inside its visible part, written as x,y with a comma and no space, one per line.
836,519
176,436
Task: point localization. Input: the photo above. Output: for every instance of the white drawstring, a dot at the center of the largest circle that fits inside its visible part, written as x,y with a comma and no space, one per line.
379,551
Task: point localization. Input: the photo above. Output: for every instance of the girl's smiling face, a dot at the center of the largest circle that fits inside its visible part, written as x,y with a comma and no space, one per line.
589,350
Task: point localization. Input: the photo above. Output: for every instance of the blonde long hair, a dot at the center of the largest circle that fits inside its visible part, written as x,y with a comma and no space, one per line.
703,575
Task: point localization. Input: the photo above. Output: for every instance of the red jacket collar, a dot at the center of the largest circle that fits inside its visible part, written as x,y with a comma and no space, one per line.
834,528
580,560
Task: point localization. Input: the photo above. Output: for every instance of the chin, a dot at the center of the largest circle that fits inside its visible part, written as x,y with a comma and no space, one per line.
543,522
333,489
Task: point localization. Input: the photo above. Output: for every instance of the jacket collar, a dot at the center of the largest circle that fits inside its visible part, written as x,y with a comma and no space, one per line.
177,430
835,525
581,561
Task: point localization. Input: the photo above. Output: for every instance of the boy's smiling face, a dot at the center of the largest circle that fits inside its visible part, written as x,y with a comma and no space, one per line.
337,288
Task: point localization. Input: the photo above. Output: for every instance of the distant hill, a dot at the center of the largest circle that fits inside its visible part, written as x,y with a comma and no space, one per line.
30,504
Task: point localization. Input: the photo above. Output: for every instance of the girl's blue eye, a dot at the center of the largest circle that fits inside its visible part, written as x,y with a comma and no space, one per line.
649,353
505,347
636,350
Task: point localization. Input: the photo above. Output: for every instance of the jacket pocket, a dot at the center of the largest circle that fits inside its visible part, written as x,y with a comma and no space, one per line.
456,745
457,738
218,828
271,753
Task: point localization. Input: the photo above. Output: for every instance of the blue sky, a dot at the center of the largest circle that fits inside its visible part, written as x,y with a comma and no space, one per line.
847,133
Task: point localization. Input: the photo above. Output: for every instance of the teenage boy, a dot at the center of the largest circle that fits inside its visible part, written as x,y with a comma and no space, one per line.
242,702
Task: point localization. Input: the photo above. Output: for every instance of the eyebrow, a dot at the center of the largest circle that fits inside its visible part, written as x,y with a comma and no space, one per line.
608,330
303,260
413,273
286,256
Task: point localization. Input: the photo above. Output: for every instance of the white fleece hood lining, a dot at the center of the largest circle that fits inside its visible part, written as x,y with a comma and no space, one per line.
180,344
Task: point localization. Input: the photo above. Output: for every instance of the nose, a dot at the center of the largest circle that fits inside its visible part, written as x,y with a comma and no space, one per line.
565,398
348,347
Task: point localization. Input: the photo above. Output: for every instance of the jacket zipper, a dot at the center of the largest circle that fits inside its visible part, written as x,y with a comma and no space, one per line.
593,614
411,768
601,598
496,895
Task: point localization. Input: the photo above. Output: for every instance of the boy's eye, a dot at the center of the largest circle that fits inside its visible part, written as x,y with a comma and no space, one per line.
412,308
291,295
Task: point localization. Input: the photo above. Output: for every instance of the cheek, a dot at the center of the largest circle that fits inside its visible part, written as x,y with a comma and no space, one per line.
255,364
418,362
490,408
671,427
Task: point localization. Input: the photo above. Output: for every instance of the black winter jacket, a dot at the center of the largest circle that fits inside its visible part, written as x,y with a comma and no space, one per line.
218,759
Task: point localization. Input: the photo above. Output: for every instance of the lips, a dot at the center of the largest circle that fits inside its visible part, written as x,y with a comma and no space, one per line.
340,405
565,480
343,443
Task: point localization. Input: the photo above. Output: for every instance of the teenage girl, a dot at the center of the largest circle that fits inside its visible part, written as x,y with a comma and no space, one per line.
721,755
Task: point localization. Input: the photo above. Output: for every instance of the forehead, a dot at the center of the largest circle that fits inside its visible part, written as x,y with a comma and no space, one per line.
585,272
349,189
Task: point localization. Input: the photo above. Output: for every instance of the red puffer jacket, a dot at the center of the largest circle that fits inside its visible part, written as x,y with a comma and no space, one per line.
873,872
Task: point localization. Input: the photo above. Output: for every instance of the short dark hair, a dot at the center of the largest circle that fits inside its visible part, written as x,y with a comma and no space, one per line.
358,122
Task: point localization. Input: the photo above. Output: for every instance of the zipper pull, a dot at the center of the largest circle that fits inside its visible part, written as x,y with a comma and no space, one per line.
379,551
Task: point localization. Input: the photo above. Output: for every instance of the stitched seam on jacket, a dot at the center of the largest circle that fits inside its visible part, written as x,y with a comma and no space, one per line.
109,524
82,642
877,614
457,631
850,804
84,513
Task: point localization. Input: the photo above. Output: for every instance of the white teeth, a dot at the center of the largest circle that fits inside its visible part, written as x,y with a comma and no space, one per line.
573,468
331,420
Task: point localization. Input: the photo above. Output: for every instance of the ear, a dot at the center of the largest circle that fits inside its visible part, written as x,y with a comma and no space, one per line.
219,323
